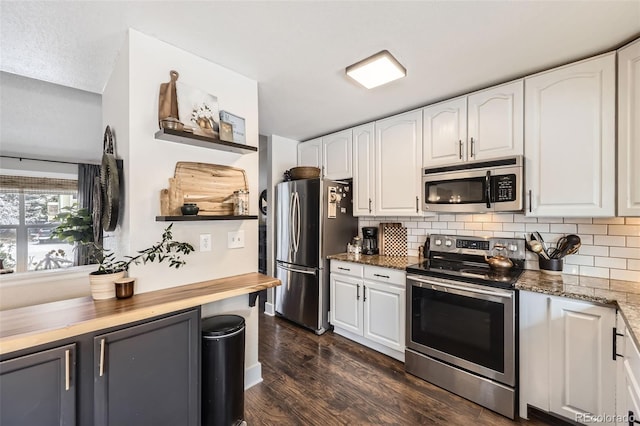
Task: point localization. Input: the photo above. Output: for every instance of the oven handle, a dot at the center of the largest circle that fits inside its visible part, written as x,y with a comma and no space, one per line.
434,286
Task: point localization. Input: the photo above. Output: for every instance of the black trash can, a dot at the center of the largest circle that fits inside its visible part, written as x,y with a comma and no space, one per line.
222,370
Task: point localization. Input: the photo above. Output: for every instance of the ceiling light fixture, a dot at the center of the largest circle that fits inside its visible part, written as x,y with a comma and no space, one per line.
376,70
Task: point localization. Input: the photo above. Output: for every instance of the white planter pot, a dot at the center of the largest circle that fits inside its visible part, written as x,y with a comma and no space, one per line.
102,285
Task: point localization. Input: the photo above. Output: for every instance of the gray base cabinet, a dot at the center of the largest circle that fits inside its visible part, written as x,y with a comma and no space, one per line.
149,374
138,374
39,389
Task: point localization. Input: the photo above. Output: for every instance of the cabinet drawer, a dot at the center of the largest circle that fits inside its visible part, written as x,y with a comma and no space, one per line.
347,268
386,275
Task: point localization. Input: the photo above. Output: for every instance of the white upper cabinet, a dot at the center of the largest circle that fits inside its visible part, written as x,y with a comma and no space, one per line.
310,153
336,155
363,170
570,139
398,160
629,130
483,125
445,132
495,122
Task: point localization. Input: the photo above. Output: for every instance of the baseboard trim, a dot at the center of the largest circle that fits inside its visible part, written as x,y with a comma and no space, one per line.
252,376
269,309
370,344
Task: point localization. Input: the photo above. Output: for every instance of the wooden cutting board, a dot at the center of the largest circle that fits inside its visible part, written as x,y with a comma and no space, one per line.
210,186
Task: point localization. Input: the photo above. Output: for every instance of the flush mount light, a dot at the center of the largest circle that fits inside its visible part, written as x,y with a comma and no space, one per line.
376,70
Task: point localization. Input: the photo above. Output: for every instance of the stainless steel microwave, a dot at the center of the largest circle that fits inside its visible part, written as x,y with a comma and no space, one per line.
475,187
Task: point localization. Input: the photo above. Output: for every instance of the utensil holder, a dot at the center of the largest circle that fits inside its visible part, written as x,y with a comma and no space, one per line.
551,266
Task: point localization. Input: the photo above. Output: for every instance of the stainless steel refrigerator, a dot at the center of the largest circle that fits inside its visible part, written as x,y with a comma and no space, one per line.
314,218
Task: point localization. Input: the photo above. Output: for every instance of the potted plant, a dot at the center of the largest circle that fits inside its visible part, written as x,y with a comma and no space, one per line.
111,269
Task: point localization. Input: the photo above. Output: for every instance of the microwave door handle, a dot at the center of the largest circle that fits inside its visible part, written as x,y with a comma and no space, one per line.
487,182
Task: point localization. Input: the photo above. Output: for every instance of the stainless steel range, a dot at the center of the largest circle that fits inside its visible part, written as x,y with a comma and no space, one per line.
462,319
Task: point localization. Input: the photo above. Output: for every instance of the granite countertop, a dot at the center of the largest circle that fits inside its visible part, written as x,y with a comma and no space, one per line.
621,295
30,326
400,262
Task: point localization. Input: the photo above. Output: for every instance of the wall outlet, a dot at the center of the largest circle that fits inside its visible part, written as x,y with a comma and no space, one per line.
235,239
205,242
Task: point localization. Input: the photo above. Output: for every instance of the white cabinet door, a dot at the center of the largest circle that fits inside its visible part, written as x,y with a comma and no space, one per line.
336,154
582,372
629,130
534,351
384,318
310,153
363,170
445,132
570,139
346,304
495,122
398,153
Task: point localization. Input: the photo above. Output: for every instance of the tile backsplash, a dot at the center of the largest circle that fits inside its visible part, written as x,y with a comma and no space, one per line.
610,246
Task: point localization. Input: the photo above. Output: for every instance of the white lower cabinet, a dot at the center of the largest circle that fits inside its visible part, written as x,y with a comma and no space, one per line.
368,306
628,360
566,357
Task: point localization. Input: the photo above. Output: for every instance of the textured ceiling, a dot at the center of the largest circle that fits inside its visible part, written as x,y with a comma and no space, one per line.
297,51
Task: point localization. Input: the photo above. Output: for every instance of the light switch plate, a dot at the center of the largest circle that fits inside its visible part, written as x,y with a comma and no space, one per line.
205,242
235,239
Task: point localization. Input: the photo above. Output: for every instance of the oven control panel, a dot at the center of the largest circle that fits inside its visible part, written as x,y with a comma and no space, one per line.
509,247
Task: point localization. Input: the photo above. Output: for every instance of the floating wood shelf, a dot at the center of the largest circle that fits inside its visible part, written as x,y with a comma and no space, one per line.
203,141
195,218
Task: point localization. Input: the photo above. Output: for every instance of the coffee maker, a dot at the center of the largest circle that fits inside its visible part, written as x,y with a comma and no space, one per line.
369,240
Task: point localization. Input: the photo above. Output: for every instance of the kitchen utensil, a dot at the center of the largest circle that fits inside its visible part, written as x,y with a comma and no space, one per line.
571,246
210,186
544,245
536,247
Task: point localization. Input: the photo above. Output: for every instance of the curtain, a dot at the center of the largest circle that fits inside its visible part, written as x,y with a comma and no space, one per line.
87,175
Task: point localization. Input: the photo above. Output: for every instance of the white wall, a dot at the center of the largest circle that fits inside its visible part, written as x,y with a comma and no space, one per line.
149,163
282,154
45,120
130,104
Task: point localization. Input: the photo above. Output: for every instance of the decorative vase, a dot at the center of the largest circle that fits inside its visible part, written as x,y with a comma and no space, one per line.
102,285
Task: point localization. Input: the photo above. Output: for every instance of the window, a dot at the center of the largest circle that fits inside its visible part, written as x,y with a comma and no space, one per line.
27,209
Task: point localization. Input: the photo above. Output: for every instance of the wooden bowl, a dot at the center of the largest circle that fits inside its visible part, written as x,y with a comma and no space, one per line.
304,172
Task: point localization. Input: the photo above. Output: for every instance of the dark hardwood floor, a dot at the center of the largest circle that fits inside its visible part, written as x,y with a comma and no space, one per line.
329,380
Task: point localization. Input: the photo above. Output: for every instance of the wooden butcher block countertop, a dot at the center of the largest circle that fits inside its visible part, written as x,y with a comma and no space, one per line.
30,326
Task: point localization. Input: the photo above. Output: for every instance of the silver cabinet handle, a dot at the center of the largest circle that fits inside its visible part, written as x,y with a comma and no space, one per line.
101,357
364,293
472,150
67,372
357,291
369,205
460,148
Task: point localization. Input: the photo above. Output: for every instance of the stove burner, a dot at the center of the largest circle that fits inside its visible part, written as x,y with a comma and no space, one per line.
467,271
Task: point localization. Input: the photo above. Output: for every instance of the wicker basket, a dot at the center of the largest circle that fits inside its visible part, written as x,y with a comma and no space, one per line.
304,173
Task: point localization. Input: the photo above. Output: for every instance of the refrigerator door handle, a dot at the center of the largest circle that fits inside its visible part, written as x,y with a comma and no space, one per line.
290,269
292,243
297,221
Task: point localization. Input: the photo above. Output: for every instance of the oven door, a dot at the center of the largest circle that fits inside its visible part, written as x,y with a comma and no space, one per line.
466,325
460,191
